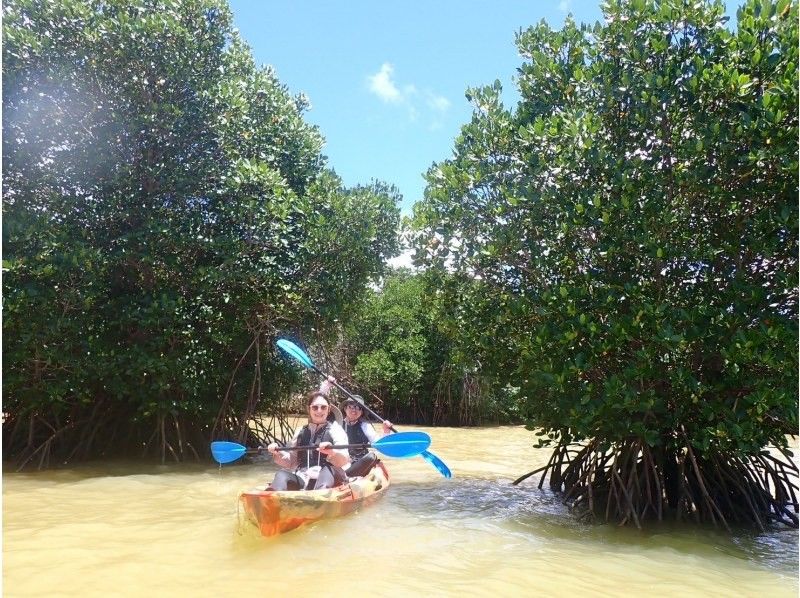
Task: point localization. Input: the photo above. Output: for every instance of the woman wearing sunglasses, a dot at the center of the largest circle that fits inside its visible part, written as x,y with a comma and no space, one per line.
315,468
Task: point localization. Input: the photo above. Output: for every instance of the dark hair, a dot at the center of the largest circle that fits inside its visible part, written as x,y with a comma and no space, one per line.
313,395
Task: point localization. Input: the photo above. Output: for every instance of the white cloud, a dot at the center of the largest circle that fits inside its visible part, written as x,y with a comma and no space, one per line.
417,103
438,103
381,84
564,5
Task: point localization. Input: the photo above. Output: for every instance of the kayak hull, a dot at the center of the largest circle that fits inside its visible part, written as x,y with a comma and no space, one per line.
275,512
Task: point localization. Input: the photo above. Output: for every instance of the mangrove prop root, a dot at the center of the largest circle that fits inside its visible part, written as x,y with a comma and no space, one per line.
630,482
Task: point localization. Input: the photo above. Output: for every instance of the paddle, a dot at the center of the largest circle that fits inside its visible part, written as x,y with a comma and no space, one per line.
301,356
399,446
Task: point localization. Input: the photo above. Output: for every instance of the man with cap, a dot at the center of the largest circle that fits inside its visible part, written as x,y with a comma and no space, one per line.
359,431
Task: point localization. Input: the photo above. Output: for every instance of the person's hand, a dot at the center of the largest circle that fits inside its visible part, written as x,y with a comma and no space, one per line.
327,383
272,448
387,426
325,448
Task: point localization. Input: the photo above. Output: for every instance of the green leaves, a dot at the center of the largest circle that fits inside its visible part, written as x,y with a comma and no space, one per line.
165,203
658,159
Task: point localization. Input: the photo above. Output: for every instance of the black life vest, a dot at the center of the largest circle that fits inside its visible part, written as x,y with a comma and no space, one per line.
310,458
356,435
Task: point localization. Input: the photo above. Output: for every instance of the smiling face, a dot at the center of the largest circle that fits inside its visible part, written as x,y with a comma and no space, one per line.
318,409
352,412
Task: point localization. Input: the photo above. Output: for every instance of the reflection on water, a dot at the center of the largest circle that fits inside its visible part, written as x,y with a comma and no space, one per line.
130,530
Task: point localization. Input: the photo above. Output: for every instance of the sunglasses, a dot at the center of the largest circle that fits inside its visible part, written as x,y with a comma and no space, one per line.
319,407
352,406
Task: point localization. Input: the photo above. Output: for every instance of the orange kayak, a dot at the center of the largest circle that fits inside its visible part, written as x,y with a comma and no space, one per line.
274,512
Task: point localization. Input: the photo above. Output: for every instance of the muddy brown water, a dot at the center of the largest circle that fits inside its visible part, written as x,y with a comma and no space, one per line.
126,529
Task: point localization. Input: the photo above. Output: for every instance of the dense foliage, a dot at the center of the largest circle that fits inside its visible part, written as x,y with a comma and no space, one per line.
628,241
404,352
166,211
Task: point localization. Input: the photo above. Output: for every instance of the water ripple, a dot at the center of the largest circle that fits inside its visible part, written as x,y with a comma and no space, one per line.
494,504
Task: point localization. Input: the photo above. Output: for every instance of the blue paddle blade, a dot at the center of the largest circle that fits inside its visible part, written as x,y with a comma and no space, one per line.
403,444
226,452
296,352
437,463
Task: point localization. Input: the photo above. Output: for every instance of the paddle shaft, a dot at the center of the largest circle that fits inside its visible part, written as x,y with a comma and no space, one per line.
296,352
440,465
345,391
308,447
400,446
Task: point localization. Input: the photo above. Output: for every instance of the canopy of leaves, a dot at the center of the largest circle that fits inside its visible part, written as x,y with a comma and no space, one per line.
165,203
627,237
404,350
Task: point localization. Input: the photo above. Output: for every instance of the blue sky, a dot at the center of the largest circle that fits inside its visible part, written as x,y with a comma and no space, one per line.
386,80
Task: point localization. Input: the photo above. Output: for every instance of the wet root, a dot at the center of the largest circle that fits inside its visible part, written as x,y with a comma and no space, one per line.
631,482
